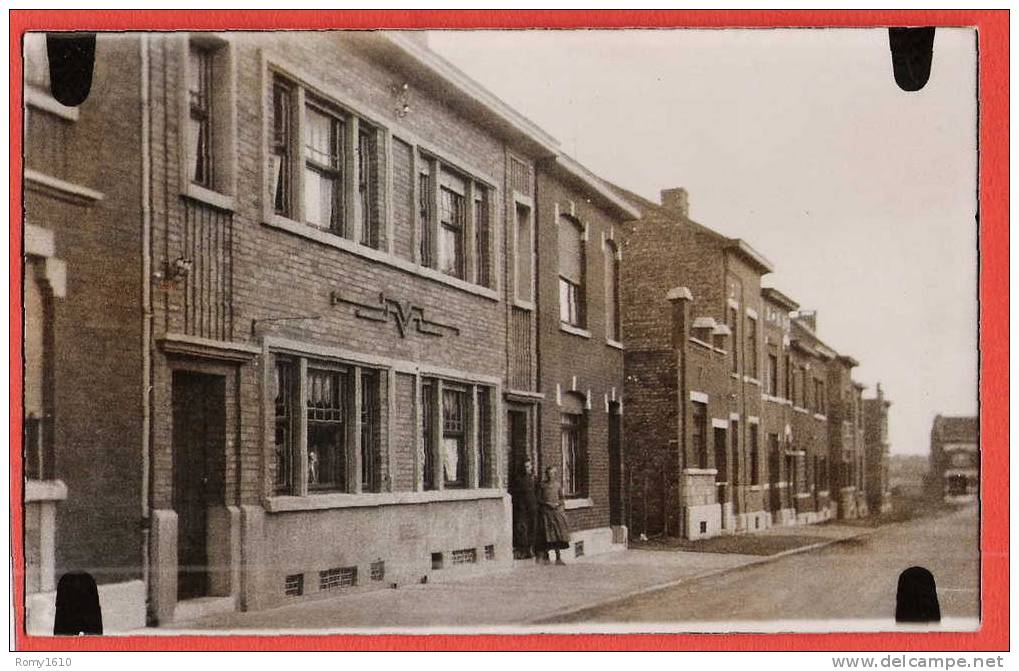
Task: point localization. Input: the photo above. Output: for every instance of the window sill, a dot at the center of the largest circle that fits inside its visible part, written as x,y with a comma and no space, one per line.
751,380
282,504
209,197
819,416
734,376
58,188
573,504
335,241
43,101
700,471
799,409
614,343
720,350
574,330
37,491
523,305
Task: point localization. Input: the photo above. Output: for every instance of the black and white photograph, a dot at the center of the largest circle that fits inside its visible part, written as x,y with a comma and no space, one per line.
501,331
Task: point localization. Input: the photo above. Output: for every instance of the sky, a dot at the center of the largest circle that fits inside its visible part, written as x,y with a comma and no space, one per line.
799,141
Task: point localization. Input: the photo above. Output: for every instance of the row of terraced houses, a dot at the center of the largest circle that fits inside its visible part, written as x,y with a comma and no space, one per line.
298,305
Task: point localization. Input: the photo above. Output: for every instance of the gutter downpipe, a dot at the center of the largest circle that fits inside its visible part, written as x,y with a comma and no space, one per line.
146,211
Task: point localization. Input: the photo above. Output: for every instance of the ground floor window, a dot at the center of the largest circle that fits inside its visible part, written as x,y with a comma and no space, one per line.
572,454
456,434
327,417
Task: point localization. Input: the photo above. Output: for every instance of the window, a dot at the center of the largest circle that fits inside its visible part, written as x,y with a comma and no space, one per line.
751,363
698,435
456,435
803,387
327,435
755,456
199,128
370,432
336,185
523,254
773,458
323,169
38,446
482,233
454,438
452,222
571,272
733,325
612,291
281,151
368,184
788,378
772,375
329,425
819,395
425,194
485,466
206,118
428,391
572,454
284,443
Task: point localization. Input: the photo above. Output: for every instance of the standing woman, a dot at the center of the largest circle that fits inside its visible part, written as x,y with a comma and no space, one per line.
553,533
525,510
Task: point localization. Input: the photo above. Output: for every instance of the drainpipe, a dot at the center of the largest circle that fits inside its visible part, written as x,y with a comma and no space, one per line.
146,210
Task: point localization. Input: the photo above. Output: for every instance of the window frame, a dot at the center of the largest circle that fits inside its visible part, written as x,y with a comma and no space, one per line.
573,294
573,468
523,203
478,434
613,313
351,455
699,429
220,188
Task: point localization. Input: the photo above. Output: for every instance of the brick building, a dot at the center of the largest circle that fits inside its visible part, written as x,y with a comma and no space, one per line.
343,290
954,475
84,417
879,492
694,370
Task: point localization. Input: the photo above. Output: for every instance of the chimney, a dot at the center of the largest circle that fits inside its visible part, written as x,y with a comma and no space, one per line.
676,200
809,319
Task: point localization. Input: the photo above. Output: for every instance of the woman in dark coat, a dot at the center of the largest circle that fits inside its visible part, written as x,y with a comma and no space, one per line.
553,533
525,510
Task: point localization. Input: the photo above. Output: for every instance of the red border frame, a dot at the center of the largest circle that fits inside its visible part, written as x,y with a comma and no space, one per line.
992,28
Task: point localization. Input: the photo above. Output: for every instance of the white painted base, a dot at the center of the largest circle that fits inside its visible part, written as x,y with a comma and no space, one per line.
784,517
596,541
122,603
752,522
710,515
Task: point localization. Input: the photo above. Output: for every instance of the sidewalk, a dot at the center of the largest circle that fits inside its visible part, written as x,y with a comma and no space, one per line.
526,595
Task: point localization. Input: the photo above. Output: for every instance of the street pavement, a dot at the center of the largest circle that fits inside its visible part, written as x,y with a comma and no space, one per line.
625,591
852,580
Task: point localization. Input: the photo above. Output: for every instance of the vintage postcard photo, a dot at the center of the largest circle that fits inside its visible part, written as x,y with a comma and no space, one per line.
500,331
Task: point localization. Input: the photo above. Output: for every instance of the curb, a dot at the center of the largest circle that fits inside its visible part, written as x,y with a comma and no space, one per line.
574,610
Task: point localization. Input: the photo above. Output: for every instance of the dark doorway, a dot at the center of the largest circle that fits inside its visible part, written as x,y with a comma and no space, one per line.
520,447
199,428
616,513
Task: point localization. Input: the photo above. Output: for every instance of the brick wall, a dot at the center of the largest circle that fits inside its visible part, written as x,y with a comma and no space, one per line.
97,326
596,365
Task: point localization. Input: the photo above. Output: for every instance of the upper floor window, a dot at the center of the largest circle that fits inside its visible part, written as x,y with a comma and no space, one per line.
733,325
37,62
207,120
772,375
482,236
612,329
751,362
452,224
571,272
523,253
337,183
819,395
199,129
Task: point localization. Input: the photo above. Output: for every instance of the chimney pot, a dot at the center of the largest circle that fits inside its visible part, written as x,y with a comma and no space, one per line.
677,200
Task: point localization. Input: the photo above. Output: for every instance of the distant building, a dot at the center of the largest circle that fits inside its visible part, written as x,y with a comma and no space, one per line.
955,459
879,493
